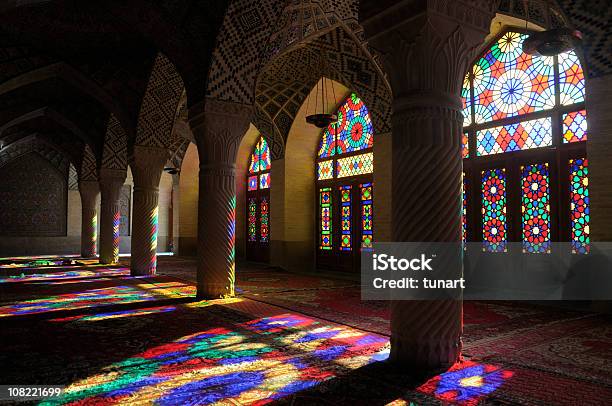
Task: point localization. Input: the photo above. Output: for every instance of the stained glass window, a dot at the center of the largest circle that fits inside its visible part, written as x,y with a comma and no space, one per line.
258,196
508,82
252,213
260,158
264,219
345,160
466,101
527,114
325,170
345,217
252,183
571,79
579,209
351,132
325,207
355,165
264,181
535,208
494,210
575,126
515,137
367,237
465,149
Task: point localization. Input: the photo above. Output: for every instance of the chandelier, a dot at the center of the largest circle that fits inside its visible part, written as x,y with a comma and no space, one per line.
321,119
552,41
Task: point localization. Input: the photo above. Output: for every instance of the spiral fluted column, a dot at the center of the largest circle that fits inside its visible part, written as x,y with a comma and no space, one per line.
89,190
111,181
218,131
426,59
147,164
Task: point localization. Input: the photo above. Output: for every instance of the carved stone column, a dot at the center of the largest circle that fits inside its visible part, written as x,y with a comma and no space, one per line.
147,164
218,131
89,190
111,181
426,49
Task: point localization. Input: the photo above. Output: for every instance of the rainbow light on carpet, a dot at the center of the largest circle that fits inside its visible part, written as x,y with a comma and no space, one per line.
81,300
117,315
257,362
76,274
466,383
32,257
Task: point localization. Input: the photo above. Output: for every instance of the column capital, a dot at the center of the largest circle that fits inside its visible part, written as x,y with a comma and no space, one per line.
112,175
218,126
147,164
89,189
426,46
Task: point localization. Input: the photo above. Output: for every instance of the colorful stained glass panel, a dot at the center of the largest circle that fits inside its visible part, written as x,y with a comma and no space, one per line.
535,208
252,183
264,181
466,101
574,126
465,148
264,220
345,217
494,210
325,170
367,237
515,137
352,131
509,82
579,205
355,165
357,133
260,158
252,226
571,79
325,227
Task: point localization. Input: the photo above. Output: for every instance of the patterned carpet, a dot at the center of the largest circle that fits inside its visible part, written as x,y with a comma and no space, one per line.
285,339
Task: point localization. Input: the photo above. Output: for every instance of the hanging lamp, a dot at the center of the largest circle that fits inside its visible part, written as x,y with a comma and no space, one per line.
321,119
552,41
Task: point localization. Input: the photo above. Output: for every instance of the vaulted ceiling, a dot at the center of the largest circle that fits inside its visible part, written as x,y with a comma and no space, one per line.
73,71
66,66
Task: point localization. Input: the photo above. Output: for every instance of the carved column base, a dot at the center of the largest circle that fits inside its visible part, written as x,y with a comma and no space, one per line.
144,232
216,233
426,335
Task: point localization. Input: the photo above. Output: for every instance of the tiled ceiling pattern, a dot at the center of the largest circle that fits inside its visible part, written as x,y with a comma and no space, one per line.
315,39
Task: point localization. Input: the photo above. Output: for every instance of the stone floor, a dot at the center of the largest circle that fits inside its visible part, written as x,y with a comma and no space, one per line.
285,338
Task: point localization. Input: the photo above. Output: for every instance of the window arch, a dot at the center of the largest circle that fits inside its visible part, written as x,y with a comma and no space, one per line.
258,202
344,168
524,149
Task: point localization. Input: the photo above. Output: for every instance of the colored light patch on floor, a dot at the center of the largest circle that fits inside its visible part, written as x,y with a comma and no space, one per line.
172,289
76,274
255,362
117,315
466,383
70,301
33,257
